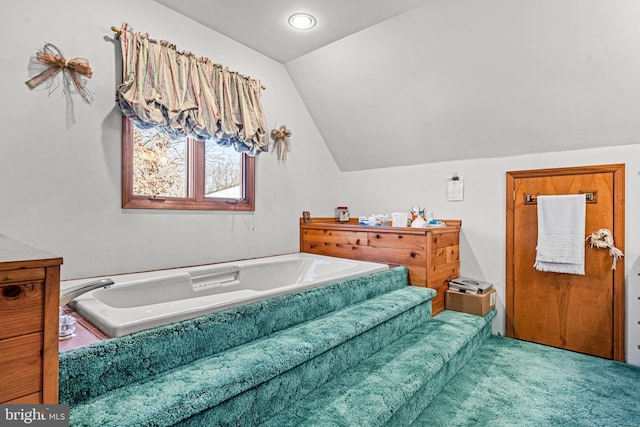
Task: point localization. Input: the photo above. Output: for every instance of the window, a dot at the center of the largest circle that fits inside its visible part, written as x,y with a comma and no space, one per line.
163,172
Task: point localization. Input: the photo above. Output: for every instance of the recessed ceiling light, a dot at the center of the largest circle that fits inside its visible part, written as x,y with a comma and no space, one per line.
302,21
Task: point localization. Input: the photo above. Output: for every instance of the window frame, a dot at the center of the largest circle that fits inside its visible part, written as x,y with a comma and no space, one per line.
195,199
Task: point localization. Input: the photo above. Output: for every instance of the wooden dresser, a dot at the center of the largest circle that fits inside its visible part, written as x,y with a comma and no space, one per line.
432,255
29,314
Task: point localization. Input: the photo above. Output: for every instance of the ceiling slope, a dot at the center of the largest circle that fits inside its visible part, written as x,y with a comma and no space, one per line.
467,80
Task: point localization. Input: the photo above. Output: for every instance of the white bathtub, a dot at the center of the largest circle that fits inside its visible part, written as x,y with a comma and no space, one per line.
142,301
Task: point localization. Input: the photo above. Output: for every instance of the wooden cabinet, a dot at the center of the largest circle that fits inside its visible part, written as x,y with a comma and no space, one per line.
430,254
29,314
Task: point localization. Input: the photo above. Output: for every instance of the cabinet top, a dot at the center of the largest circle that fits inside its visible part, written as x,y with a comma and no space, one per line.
15,254
452,225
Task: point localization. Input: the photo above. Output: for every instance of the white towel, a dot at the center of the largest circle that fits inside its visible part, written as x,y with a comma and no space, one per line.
561,230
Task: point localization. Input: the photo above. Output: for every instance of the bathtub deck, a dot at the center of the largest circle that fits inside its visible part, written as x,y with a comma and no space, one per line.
85,334
365,351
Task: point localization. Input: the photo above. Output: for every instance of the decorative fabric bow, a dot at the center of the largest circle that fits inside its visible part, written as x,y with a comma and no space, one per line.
53,61
281,141
603,238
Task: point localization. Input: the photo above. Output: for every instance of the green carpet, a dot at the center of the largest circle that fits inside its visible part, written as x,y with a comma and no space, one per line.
110,364
174,395
371,392
511,382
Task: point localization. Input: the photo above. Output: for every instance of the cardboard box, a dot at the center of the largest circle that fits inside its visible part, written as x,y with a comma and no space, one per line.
478,304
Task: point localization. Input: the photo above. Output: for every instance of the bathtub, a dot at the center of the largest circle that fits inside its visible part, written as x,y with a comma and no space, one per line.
147,300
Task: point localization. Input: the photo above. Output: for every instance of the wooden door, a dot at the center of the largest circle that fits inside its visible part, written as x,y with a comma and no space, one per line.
573,312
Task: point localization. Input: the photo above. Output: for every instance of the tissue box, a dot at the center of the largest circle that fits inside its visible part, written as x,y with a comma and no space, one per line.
399,219
478,304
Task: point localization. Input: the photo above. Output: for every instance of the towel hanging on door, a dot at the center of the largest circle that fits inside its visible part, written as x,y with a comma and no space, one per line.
561,225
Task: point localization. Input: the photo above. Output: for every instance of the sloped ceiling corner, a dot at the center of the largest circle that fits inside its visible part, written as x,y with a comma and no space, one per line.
461,79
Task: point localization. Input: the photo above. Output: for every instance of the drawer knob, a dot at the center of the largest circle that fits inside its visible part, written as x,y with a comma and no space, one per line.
413,254
11,292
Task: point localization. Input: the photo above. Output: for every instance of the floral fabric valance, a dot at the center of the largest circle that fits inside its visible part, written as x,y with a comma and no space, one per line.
185,95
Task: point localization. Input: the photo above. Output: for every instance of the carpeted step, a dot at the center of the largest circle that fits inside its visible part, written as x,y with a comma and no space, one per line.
416,365
412,408
264,401
192,388
93,370
513,382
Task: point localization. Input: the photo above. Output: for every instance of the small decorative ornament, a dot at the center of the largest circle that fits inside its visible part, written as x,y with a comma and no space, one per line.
281,142
603,238
46,65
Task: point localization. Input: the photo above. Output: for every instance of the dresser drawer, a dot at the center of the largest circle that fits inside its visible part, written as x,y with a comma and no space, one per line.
21,361
400,256
21,308
398,240
335,236
394,256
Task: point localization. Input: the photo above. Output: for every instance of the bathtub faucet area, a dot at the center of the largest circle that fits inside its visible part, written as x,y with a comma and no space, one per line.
67,295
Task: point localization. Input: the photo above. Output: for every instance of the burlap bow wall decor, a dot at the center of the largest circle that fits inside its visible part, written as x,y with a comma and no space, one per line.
281,142
50,61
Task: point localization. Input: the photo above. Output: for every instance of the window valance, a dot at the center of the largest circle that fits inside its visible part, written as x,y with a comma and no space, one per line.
185,95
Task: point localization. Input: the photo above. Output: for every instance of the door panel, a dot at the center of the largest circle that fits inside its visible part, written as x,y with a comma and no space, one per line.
572,312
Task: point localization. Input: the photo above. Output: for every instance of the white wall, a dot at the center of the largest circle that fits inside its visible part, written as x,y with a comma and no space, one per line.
483,211
60,188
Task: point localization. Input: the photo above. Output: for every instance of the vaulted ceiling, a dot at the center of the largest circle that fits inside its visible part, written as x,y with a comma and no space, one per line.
395,83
